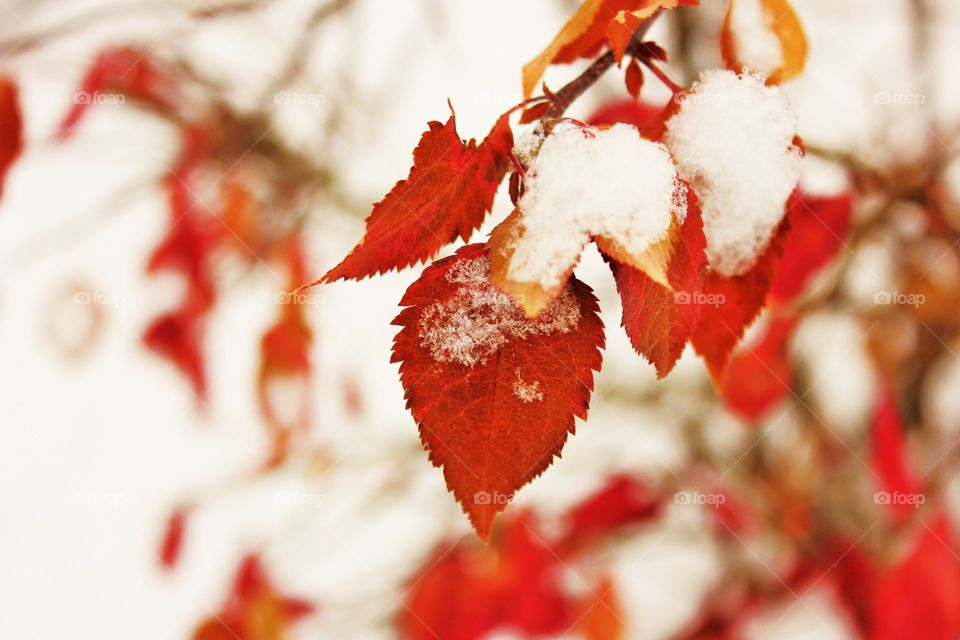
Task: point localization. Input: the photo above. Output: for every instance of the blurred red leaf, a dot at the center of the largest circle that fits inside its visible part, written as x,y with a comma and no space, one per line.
639,114
127,71
659,321
493,392
177,336
819,226
601,616
11,127
448,193
898,483
172,542
254,610
759,376
730,305
467,592
623,500
919,597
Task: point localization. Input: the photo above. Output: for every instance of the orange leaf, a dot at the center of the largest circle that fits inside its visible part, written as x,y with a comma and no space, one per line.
254,610
819,226
760,377
493,392
446,196
781,19
601,616
624,24
11,127
595,23
730,305
660,321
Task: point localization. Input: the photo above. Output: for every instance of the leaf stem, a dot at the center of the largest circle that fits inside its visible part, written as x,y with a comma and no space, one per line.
569,93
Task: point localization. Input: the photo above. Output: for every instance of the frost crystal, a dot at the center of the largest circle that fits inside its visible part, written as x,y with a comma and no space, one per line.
591,182
527,391
733,141
477,320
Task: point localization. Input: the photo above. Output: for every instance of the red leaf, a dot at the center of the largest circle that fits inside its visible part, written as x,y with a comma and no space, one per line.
659,321
730,305
176,336
920,596
123,70
819,226
11,127
759,377
448,193
494,393
172,541
898,484
634,79
639,114
254,610
624,500
467,592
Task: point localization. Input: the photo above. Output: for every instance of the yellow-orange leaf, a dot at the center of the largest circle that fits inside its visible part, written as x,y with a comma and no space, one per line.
783,22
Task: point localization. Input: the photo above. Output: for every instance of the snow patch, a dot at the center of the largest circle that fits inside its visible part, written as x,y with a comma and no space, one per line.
733,142
590,182
477,321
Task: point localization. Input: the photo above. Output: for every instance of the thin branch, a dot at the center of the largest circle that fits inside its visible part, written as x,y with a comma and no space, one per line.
567,95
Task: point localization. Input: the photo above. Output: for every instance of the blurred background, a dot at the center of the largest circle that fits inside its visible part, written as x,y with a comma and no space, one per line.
188,451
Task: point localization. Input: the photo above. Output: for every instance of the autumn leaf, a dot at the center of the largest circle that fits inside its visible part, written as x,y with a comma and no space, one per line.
898,483
819,227
731,304
128,71
11,127
633,79
466,592
254,610
588,31
579,190
172,542
622,501
493,392
779,17
659,320
760,376
449,191
177,336
601,614
625,23
918,596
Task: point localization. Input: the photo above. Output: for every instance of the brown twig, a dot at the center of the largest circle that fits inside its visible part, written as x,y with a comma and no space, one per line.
569,93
